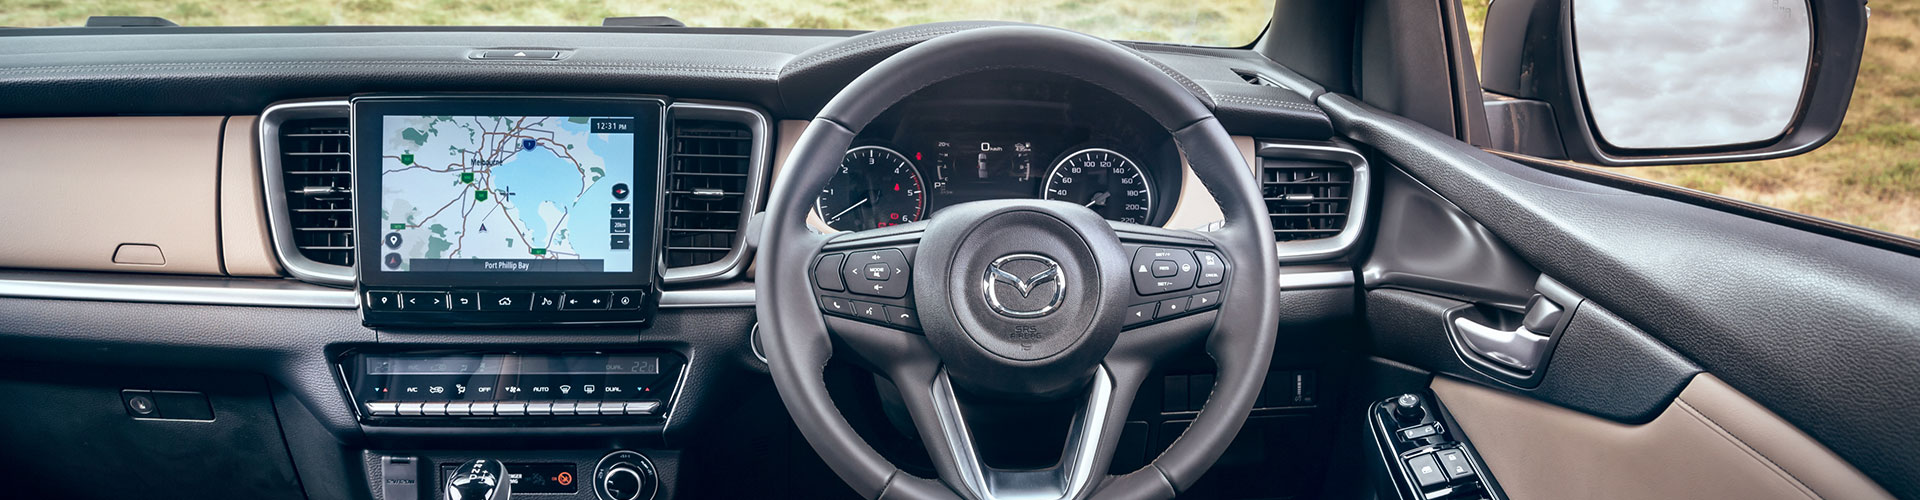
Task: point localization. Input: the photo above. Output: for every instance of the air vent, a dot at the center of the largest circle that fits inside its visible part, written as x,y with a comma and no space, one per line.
317,173
709,176
1308,200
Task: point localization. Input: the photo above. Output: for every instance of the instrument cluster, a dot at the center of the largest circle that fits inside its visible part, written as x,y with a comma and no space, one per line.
987,139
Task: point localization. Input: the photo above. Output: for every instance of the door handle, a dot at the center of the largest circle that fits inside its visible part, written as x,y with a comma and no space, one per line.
1519,349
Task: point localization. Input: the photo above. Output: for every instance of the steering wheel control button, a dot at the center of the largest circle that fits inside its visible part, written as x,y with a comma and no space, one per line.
880,273
504,301
627,299
903,316
1171,307
836,305
1426,471
423,301
383,301
1204,301
869,310
1213,269
464,301
1159,270
585,301
1140,313
826,272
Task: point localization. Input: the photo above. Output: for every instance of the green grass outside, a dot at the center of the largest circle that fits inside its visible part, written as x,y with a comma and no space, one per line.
1869,175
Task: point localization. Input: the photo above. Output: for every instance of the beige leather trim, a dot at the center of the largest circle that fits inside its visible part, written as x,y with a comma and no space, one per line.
78,188
245,243
1196,207
1193,208
1711,442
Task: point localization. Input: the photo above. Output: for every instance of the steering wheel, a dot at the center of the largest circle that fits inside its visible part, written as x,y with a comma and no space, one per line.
1017,298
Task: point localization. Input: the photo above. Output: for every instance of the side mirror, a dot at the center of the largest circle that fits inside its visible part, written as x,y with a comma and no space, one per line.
1662,82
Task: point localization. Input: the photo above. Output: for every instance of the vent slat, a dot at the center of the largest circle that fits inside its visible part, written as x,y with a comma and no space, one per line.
708,157
1322,195
315,155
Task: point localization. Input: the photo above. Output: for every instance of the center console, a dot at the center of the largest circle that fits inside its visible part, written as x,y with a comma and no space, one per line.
488,217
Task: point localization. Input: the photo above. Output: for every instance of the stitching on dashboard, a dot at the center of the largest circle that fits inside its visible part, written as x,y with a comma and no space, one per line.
691,68
1266,102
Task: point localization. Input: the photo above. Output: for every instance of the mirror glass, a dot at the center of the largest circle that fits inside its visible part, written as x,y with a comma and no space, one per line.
1662,74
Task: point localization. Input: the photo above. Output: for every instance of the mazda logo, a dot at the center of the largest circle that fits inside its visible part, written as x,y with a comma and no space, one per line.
1025,274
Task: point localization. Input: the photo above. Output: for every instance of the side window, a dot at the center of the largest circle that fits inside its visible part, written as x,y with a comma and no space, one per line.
1868,175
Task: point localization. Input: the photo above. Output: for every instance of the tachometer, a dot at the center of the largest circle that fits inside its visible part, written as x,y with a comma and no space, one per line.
876,187
1105,181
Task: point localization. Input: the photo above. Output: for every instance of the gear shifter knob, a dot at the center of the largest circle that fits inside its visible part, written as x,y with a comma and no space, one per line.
480,479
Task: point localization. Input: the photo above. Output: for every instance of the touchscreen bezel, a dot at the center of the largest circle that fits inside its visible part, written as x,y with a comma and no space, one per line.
368,113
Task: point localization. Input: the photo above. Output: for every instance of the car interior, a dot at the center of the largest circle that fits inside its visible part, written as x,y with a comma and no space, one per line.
1353,259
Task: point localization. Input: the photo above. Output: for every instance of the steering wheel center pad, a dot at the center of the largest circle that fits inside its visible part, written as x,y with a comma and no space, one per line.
1059,251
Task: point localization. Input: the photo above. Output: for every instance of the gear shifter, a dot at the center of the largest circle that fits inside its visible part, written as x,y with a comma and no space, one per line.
479,479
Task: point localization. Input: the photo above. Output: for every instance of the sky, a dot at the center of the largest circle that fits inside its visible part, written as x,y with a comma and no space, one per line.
1688,73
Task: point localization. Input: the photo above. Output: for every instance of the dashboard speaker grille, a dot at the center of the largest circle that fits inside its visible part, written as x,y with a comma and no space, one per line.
708,177
317,172
1307,200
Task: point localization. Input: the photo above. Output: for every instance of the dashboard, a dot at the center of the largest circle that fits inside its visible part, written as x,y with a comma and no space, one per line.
996,137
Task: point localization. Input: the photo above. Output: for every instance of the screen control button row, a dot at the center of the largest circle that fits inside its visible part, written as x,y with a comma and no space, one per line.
504,300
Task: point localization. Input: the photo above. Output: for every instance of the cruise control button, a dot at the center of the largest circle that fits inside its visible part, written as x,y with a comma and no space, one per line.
1140,313
836,305
868,310
1213,269
577,301
1171,307
504,301
864,275
383,301
826,272
1204,301
1150,268
1165,268
423,301
903,316
627,299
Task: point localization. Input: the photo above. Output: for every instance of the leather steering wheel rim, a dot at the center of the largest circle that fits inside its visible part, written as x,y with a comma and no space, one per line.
795,334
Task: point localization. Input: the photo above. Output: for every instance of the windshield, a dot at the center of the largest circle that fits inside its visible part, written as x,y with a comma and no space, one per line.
1196,22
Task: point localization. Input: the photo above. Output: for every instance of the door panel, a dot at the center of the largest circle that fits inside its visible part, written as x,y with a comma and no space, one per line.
1820,332
1710,442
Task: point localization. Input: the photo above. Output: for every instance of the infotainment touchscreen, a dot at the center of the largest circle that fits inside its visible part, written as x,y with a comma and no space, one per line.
507,193
507,209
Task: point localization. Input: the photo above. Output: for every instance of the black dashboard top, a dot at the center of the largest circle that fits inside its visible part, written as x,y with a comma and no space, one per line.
790,73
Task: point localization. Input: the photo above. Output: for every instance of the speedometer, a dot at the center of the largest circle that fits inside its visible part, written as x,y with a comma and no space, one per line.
1105,181
875,187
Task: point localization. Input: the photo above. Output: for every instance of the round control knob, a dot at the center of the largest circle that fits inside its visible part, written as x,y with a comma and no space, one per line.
625,475
1406,409
480,479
